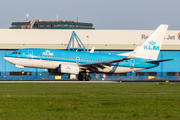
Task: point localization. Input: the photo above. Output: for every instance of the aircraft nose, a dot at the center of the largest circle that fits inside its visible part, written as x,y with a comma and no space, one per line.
7,58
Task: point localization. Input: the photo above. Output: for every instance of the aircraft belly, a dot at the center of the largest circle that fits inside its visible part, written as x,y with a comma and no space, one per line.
18,61
36,63
45,64
50,64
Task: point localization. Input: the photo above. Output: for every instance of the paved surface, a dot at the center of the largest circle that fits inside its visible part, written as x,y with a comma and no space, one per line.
110,81
59,81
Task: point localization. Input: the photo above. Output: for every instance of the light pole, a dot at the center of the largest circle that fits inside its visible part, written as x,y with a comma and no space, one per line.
87,43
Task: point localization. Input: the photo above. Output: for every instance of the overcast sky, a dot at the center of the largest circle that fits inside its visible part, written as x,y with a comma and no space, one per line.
104,14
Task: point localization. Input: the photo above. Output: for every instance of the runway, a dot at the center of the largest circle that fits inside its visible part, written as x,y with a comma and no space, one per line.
59,81
105,81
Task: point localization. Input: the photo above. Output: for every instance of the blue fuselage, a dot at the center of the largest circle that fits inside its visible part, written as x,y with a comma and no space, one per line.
77,57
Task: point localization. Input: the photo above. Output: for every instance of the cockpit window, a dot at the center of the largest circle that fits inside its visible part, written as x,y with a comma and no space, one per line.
17,53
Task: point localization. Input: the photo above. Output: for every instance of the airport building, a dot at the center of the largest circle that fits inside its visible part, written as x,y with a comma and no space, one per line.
51,24
104,41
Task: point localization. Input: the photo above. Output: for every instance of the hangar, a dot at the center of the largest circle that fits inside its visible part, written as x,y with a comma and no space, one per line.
105,42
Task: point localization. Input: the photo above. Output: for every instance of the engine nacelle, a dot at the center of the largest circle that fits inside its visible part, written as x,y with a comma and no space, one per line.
68,68
54,72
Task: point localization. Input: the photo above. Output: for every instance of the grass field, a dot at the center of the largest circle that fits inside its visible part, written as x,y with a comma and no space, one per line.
83,101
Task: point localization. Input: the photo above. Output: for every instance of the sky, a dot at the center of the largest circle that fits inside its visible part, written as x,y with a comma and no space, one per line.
104,14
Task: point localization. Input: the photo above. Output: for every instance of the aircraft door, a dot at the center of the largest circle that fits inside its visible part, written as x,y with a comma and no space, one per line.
77,59
30,54
132,63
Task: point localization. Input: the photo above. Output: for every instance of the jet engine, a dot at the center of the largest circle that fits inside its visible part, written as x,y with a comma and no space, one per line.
68,68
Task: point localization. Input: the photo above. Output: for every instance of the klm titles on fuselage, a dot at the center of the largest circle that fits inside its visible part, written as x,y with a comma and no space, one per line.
151,46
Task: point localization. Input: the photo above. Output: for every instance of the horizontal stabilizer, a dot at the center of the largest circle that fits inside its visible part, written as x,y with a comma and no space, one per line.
158,61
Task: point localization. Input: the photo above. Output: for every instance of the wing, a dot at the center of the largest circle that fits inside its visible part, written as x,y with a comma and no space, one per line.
107,63
93,66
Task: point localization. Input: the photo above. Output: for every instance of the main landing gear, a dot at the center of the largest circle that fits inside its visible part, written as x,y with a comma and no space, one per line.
87,77
81,77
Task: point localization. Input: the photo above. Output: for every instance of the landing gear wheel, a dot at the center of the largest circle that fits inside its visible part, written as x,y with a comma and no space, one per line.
80,77
87,77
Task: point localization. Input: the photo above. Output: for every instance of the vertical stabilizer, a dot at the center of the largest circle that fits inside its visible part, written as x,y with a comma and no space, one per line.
151,47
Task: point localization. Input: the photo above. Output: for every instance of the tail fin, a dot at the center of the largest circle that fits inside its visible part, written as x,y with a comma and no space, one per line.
151,47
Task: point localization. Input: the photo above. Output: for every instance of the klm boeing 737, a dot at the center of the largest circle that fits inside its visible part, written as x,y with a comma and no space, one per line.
83,63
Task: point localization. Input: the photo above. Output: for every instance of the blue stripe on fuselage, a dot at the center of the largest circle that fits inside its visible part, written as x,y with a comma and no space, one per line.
84,57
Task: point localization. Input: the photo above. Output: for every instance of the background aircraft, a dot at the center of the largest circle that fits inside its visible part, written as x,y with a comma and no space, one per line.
74,62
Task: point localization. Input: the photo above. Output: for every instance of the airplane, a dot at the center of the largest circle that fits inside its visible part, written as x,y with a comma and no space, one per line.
82,63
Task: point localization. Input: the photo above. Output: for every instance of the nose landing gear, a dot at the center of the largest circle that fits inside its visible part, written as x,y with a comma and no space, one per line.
22,72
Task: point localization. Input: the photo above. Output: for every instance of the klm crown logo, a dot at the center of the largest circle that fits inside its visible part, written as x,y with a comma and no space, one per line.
151,42
68,68
151,46
47,52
